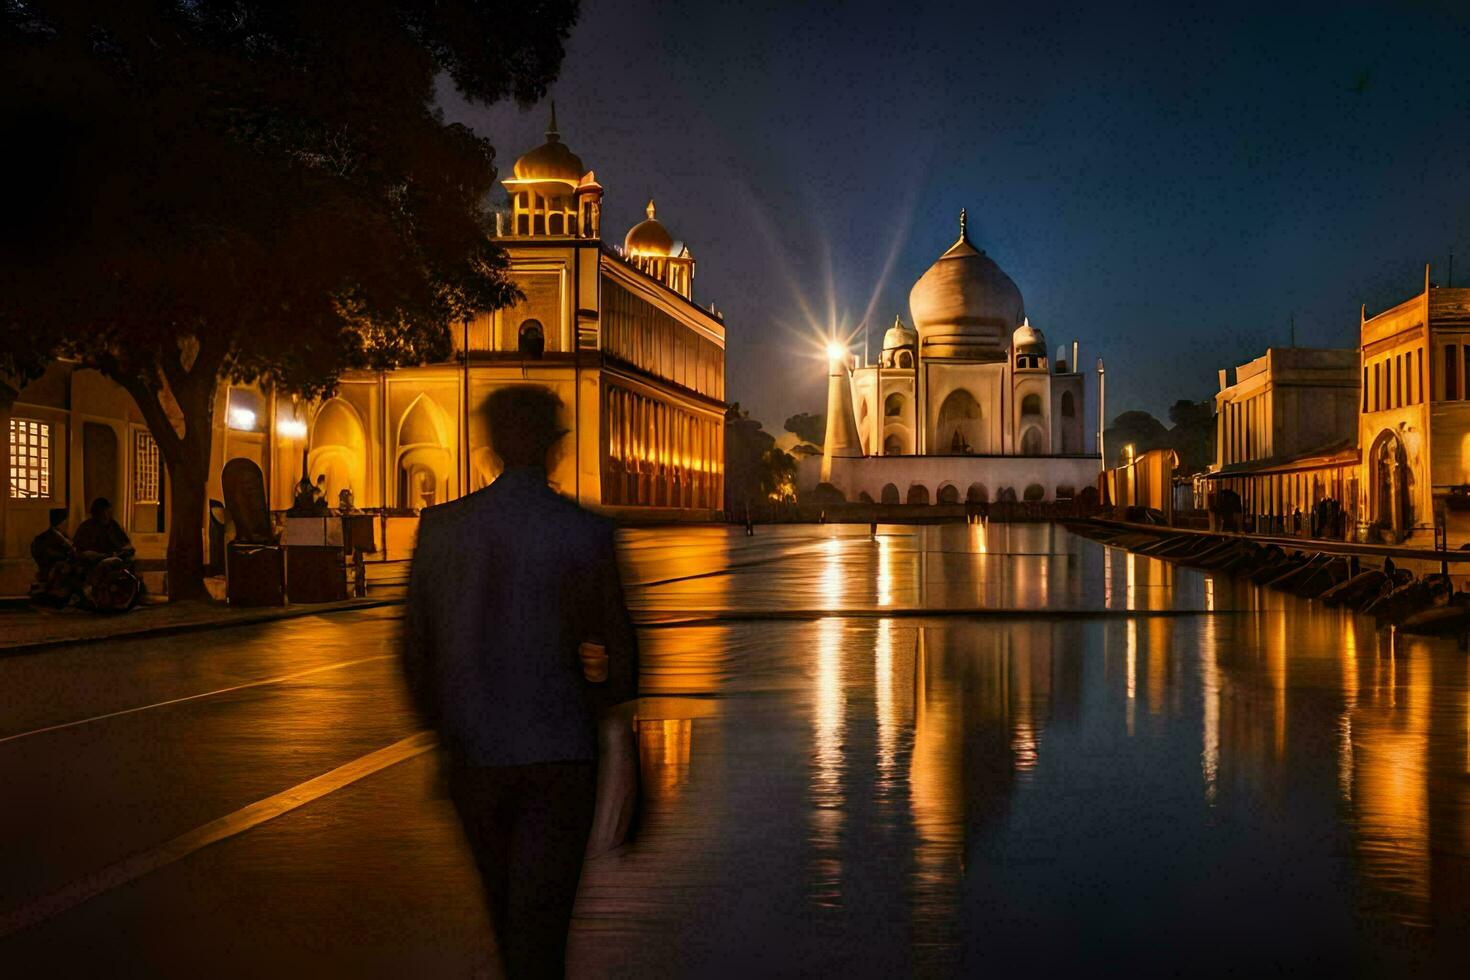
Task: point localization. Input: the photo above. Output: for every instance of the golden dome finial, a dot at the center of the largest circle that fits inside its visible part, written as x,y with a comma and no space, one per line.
649,210
964,236
552,135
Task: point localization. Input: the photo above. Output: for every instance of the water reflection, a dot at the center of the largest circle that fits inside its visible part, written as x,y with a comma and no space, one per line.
1258,766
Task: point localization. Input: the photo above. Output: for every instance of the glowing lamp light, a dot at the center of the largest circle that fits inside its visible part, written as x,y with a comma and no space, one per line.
291,428
835,351
242,419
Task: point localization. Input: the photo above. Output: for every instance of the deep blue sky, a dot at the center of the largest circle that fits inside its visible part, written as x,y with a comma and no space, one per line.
1166,183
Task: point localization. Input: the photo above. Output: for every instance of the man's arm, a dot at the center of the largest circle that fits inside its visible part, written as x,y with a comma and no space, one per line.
616,626
418,635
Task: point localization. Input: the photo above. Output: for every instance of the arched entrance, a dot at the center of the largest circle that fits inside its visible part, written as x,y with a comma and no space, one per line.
338,450
1031,442
423,455
977,494
918,494
960,430
949,494
889,494
1390,506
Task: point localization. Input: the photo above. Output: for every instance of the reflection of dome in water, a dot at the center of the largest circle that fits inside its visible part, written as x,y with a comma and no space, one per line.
649,237
965,306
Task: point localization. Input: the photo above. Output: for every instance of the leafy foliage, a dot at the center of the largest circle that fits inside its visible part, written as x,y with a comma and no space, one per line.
251,190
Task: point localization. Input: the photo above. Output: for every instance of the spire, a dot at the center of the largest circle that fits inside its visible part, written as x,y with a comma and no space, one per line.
964,235
649,210
552,136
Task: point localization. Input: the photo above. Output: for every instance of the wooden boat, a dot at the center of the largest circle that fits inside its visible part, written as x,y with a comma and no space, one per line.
1355,590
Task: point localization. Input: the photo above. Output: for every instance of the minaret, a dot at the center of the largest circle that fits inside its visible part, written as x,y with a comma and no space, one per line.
842,440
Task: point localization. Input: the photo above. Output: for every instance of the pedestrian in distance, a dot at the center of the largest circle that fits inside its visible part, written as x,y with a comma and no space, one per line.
517,647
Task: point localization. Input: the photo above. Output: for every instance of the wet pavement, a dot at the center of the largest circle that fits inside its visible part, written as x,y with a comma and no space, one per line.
948,750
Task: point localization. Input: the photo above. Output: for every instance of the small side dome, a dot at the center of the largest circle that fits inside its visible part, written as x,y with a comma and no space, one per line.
900,335
648,238
1028,340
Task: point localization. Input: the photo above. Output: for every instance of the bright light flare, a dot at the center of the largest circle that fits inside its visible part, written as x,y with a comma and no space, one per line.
242,419
836,351
291,428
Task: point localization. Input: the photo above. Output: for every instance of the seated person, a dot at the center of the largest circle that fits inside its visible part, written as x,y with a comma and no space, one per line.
58,573
52,546
99,536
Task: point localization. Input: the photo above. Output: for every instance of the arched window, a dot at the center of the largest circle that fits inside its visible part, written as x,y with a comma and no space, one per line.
893,405
949,494
889,494
893,446
531,339
1069,405
905,359
959,429
918,494
1031,405
1031,443
1034,491
977,494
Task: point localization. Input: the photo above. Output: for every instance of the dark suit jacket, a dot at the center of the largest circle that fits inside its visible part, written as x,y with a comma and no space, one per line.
506,585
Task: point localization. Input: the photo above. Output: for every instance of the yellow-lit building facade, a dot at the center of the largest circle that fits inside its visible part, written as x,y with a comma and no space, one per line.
611,327
613,331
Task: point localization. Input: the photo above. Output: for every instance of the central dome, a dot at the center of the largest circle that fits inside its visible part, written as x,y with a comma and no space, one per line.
552,160
965,306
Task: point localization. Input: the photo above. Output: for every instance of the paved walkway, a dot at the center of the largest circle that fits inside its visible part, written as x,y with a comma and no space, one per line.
25,628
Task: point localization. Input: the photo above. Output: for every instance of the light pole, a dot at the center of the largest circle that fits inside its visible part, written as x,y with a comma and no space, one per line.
1101,410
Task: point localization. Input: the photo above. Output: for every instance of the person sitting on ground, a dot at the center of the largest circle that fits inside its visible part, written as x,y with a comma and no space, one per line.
56,565
99,536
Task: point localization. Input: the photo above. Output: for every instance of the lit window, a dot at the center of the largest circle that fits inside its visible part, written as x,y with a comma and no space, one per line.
145,468
30,459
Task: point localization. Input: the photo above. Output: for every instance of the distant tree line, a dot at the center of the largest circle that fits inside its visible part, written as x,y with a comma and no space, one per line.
1192,434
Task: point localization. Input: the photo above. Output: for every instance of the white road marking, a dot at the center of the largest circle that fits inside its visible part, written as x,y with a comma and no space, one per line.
194,697
131,868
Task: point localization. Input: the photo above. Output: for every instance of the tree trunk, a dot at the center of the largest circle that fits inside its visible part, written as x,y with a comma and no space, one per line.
187,481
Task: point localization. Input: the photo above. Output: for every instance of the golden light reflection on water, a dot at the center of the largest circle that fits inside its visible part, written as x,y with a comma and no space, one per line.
1131,671
664,748
885,681
1390,750
828,729
1210,708
885,570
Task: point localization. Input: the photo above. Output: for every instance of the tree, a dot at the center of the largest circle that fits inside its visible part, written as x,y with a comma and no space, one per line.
252,191
1138,429
809,427
1193,434
746,447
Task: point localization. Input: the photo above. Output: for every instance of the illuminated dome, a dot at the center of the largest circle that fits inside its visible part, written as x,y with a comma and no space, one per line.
1028,340
551,160
648,237
899,335
964,306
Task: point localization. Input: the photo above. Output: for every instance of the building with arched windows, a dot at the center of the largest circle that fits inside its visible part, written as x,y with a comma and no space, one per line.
966,404
612,328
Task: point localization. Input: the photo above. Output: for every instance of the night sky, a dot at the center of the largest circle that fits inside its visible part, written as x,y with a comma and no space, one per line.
1167,184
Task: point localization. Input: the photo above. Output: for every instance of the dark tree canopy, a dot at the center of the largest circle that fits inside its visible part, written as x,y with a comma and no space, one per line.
252,190
808,427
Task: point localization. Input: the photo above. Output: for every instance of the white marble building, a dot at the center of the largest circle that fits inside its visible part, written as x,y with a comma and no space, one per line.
964,405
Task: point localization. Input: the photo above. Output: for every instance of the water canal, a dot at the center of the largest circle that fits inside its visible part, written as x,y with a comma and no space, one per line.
959,749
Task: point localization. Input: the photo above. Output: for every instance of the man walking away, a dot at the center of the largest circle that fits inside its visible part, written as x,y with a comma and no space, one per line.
507,584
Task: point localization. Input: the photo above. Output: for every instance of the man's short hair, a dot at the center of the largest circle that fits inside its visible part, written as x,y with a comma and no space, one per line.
57,515
523,424
99,505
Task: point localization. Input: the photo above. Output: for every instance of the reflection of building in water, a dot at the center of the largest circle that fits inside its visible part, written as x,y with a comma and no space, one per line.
982,700
664,745
829,725
1391,777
